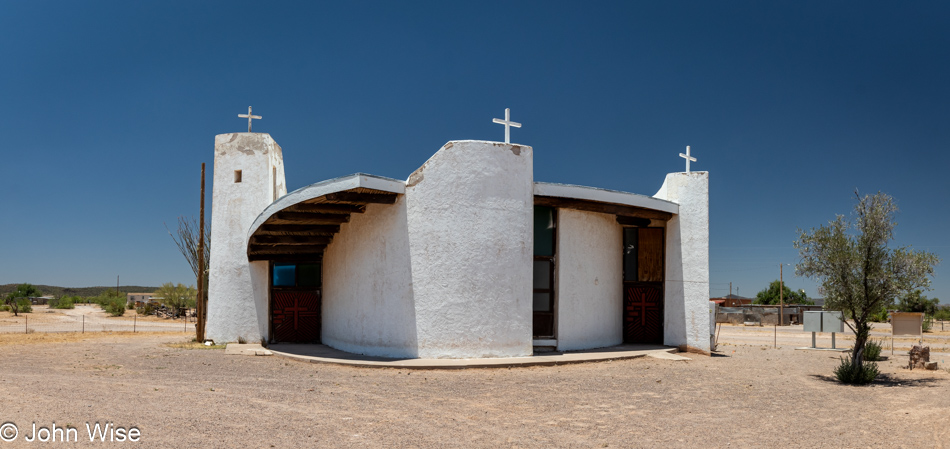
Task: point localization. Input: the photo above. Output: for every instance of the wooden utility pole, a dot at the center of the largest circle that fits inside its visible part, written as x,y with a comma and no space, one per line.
781,296
201,304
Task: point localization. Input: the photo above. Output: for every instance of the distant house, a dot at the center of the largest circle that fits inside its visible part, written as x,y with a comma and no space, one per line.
40,300
140,299
732,301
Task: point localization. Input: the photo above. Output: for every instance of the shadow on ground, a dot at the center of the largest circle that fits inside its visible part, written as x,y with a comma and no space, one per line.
886,380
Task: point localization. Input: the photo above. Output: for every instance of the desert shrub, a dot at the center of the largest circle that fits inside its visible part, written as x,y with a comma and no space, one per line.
4,308
66,302
872,351
928,323
861,375
25,305
115,306
131,305
147,309
880,316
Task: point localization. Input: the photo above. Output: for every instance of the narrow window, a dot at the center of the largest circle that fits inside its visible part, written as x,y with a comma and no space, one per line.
237,176
543,304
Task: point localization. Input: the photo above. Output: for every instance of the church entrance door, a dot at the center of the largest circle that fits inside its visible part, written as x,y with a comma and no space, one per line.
295,303
643,285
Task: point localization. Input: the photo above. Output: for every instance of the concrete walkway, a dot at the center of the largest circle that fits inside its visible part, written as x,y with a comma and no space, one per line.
326,354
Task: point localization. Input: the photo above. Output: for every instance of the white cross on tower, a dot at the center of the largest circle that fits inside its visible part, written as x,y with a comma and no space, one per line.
688,158
507,122
249,117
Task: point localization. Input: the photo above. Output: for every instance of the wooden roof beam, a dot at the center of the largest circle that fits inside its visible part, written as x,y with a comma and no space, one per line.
294,229
313,257
633,221
604,208
291,240
289,249
308,218
328,208
362,198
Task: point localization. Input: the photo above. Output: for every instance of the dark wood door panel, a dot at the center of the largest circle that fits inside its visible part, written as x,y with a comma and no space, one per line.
295,317
643,314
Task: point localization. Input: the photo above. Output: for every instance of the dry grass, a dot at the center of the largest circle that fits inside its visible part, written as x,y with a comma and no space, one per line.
74,337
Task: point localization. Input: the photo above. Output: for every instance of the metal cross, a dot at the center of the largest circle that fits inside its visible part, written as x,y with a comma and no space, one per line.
249,117
508,123
688,158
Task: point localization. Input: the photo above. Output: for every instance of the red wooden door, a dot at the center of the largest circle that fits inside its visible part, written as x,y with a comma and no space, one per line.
295,316
643,314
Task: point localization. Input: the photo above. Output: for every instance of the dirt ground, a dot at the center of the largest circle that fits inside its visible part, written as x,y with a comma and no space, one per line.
747,395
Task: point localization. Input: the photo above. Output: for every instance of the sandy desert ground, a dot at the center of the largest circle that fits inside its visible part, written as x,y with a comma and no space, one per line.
746,395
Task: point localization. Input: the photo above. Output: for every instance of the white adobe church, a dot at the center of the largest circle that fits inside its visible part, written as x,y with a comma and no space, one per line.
468,257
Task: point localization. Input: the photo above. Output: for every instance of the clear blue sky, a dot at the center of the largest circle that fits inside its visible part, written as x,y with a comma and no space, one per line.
107,110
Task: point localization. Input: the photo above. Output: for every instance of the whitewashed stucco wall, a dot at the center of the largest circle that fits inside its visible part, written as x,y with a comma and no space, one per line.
237,289
589,280
470,221
368,303
686,320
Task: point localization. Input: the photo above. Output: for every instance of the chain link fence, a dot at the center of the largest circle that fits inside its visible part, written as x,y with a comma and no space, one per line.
88,318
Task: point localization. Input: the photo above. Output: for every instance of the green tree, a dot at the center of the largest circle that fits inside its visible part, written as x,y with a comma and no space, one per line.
770,295
112,301
178,297
858,272
915,301
14,298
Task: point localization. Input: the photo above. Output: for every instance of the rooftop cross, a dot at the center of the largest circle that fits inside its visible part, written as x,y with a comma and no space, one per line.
249,117
688,158
508,123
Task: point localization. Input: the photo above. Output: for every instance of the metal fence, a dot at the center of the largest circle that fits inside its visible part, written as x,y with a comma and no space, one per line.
762,314
88,318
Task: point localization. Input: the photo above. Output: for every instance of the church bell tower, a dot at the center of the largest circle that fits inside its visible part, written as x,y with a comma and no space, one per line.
248,177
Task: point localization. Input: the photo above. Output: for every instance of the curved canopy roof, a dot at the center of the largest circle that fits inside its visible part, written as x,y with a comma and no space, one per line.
299,225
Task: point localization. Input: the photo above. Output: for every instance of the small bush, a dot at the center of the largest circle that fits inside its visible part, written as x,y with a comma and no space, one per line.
862,375
928,323
115,307
147,309
872,351
4,308
131,305
66,302
25,305
880,317
942,314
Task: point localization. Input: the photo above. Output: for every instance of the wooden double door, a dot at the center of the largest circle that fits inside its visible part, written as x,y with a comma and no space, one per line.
643,275
295,316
